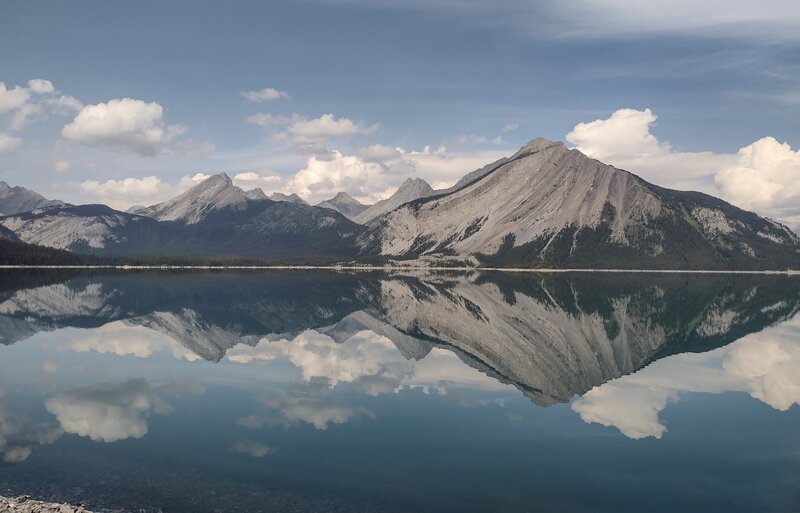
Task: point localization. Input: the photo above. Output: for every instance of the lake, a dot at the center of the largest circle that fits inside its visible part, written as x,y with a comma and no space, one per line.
330,391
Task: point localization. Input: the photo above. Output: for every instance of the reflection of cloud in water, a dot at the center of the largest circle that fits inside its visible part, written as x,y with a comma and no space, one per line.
107,413
765,365
18,436
121,339
368,360
302,403
254,449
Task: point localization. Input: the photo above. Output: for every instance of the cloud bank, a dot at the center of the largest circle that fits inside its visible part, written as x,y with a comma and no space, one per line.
763,176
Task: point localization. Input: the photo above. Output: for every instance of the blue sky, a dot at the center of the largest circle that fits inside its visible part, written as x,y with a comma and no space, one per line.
467,80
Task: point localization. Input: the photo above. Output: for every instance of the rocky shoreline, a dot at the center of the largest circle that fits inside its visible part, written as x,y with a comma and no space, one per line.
25,505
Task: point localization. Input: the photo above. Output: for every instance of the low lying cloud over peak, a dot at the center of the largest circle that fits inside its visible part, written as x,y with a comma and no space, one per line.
626,132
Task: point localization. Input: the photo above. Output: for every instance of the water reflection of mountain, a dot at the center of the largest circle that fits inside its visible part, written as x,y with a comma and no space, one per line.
552,336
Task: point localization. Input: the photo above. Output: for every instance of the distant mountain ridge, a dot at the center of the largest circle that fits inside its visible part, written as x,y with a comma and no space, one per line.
345,204
289,198
212,219
14,200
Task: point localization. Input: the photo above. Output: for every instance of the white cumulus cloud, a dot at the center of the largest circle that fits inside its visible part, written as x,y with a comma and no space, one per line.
106,413
9,144
626,132
268,94
125,192
14,98
302,130
124,125
34,102
763,176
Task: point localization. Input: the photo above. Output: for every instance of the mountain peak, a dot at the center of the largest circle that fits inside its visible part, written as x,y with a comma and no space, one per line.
255,194
343,196
413,184
409,190
213,193
345,204
539,144
16,199
217,179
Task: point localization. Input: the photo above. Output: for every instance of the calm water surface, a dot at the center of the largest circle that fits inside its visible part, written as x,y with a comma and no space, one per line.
318,391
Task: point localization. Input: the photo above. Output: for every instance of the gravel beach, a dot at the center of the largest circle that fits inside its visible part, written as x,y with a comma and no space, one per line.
25,505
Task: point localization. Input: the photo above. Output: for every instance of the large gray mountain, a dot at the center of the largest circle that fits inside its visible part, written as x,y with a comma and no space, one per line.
345,204
14,200
409,190
548,205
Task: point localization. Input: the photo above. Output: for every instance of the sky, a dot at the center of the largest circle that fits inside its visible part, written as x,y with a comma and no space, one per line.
130,103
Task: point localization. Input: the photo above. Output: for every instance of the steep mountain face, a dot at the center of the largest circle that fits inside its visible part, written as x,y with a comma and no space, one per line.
289,198
213,194
14,200
214,219
548,205
410,190
345,204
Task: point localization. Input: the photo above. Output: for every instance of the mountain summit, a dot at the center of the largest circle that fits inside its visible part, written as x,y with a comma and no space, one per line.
212,194
14,200
345,204
409,190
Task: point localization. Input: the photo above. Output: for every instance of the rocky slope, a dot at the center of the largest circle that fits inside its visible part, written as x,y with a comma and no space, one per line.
548,205
345,204
14,200
409,190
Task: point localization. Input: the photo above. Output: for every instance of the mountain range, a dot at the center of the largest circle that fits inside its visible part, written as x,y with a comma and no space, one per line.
545,206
